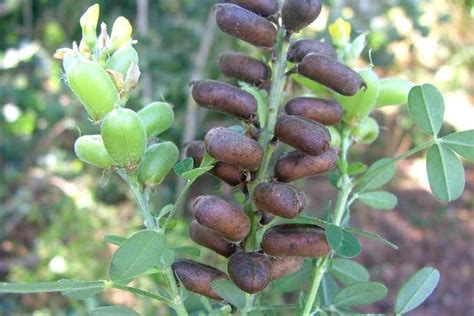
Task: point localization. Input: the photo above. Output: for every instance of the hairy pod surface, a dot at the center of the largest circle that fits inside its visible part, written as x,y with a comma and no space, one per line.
245,25
250,271
285,265
298,14
300,48
295,240
393,91
233,148
210,239
297,165
224,98
90,149
279,199
243,68
308,136
156,117
122,59
324,111
263,7
331,73
158,162
197,277
220,216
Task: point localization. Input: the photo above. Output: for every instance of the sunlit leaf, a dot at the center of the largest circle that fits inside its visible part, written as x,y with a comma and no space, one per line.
426,107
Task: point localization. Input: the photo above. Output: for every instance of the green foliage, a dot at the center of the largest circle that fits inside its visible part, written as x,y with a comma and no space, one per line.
348,271
378,199
113,311
359,294
230,292
342,242
426,107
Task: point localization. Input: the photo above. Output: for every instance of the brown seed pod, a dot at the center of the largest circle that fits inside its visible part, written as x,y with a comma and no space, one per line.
308,136
295,240
233,148
224,98
298,14
245,25
263,7
220,216
244,68
210,239
279,199
250,271
266,218
299,49
324,111
331,73
197,277
285,265
297,165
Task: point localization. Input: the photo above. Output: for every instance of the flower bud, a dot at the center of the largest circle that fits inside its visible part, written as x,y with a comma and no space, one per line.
210,239
279,199
88,22
340,32
299,49
326,112
121,33
298,14
285,266
250,271
263,7
244,68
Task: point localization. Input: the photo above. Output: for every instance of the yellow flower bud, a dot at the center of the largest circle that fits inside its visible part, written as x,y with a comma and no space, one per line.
88,23
340,32
121,33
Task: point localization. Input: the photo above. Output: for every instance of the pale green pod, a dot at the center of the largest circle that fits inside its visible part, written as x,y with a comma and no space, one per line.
157,163
122,59
157,117
367,131
90,149
393,91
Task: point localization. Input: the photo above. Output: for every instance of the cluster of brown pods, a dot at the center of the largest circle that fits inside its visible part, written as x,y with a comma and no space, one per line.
221,226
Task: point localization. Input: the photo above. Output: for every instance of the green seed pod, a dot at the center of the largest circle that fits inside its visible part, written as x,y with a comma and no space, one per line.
244,68
250,271
298,14
279,199
218,215
158,162
297,165
335,137
331,73
124,137
245,25
295,240
93,87
224,98
393,91
367,131
197,277
157,117
122,59
233,148
263,7
90,149
210,239
326,112
308,136
285,266
299,49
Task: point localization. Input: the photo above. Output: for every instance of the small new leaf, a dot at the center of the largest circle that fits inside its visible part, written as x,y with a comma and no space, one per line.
183,166
378,174
195,173
356,168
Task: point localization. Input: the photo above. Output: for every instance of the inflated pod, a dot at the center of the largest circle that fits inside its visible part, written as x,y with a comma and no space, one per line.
158,161
263,7
331,73
210,239
367,131
298,14
308,136
297,165
244,68
393,91
122,59
197,277
245,25
250,271
90,149
233,148
157,117
215,213
224,98
285,265
324,111
279,199
300,48
295,240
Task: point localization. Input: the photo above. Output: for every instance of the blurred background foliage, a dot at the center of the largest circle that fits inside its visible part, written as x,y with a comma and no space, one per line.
54,210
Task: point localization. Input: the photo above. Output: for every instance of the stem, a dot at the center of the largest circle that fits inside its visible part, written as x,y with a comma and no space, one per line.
177,302
179,203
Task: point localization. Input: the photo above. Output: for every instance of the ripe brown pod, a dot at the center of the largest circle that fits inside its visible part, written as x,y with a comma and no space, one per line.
299,49
308,136
285,266
324,111
279,199
331,73
245,25
295,240
298,14
220,216
250,271
263,7
297,165
224,98
244,68
233,148
210,239
197,277
266,218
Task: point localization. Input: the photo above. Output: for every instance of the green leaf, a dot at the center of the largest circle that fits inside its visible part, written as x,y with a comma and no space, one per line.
356,168
114,239
359,294
371,235
188,250
314,87
416,290
342,242
349,271
60,286
327,290
80,294
168,208
230,292
378,174
445,173
136,255
462,143
260,96
183,166
342,165
207,160
167,258
426,106
379,199
113,311
356,47
195,173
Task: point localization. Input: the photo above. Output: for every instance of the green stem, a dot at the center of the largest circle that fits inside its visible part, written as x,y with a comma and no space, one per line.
179,203
177,302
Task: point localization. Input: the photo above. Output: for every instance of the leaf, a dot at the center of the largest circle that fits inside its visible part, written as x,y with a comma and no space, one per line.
426,106
80,294
61,285
168,208
136,255
357,47
113,311
114,239
230,292
359,294
183,166
188,250
327,290
195,173
207,160
349,271
260,96
167,258
378,174
314,87
445,173
379,199
371,235
356,168
416,290
462,143
342,242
